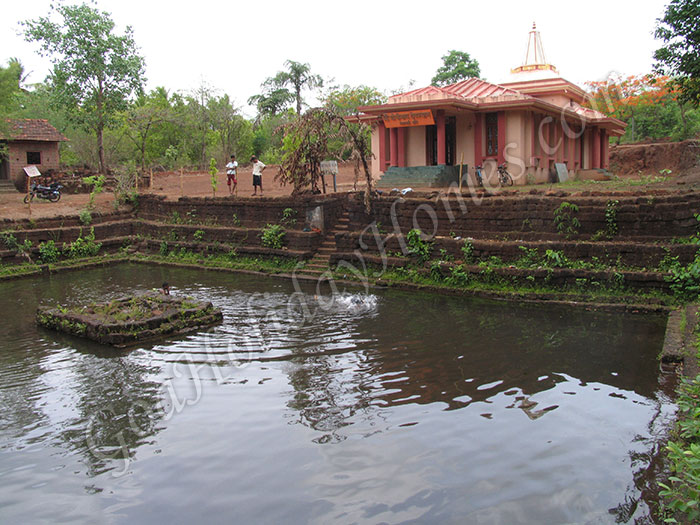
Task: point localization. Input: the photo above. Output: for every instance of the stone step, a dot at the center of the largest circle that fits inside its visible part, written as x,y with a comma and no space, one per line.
7,187
316,267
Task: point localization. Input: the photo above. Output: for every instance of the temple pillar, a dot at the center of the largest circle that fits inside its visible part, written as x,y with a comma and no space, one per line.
381,130
501,137
605,155
441,147
401,135
595,148
478,146
393,147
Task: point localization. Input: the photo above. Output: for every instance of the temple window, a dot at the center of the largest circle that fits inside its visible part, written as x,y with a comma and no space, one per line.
491,134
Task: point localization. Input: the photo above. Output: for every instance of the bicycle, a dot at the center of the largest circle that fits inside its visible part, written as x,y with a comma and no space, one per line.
503,176
477,173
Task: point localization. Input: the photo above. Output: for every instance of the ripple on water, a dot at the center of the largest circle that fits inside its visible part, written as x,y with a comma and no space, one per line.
382,407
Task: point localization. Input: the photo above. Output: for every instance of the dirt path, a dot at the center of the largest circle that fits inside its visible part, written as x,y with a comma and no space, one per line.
199,185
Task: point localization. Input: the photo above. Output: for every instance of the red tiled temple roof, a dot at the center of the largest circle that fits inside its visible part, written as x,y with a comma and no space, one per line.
471,89
35,130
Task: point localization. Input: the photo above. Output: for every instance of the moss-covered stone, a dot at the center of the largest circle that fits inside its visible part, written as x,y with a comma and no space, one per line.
130,320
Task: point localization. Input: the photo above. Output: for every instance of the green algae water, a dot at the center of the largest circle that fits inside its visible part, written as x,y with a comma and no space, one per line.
302,407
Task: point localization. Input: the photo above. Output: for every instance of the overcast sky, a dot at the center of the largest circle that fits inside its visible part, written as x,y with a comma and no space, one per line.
234,46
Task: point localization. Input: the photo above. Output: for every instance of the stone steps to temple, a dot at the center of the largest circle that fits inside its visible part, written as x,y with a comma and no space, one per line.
7,187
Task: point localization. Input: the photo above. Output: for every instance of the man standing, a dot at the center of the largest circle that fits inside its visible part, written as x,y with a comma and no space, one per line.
258,168
231,169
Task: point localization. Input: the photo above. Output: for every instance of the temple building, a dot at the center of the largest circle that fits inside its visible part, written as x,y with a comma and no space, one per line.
532,121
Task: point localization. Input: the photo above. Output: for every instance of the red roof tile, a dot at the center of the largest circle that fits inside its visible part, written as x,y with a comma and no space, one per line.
34,129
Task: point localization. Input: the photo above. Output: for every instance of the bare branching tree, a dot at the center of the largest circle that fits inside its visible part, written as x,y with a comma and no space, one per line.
306,144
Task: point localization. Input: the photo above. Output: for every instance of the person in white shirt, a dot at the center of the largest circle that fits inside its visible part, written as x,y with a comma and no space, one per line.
231,169
258,168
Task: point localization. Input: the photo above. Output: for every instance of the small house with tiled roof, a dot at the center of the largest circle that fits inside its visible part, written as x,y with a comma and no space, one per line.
532,121
30,142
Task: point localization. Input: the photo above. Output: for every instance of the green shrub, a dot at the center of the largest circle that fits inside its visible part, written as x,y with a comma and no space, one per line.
83,246
85,217
684,280
97,182
10,241
198,235
272,236
530,257
163,251
417,246
48,252
289,217
611,228
565,219
555,259
468,251
681,495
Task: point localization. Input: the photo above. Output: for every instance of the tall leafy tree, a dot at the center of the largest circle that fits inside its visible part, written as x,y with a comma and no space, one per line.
650,105
9,97
271,102
347,99
95,71
456,66
679,29
9,88
143,118
233,131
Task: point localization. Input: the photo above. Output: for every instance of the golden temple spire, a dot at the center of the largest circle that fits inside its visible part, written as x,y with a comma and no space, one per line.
534,56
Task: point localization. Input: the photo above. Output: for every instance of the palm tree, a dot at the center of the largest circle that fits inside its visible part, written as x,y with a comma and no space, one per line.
298,76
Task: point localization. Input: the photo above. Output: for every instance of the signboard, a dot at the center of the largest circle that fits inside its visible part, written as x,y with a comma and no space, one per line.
405,119
32,171
329,167
562,172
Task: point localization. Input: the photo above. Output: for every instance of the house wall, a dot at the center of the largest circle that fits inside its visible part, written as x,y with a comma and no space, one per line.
415,146
18,159
465,138
517,150
558,100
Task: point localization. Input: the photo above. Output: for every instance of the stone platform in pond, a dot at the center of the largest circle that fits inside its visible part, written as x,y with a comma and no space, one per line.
131,320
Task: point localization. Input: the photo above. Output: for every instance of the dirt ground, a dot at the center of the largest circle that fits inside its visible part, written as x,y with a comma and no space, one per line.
637,167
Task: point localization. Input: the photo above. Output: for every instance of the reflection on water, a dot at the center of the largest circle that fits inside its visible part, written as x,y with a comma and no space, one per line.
382,407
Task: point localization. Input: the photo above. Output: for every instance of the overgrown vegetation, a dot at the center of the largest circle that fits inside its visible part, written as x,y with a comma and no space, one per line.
82,246
565,220
97,183
681,493
272,236
418,246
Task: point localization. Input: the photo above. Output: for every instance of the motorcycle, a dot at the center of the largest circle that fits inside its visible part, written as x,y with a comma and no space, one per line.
52,192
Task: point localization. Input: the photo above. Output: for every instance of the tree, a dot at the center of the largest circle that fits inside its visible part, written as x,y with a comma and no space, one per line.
9,101
9,88
649,104
306,145
272,102
679,29
231,128
456,66
142,119
298,77
95,71
347,99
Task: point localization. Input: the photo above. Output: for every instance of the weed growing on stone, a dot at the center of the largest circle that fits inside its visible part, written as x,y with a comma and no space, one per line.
565,220
272,236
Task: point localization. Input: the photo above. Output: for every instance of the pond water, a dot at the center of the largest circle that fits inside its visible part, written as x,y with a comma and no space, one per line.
387,407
